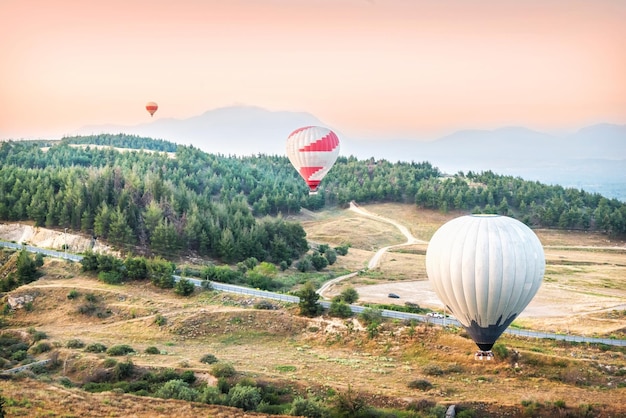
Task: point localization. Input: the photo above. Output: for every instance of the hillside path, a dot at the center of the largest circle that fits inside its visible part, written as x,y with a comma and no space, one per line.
375,260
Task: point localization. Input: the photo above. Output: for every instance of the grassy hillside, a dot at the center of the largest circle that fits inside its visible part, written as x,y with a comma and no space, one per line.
402,369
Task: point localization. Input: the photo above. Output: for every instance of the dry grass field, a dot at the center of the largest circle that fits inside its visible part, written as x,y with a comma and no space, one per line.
401,365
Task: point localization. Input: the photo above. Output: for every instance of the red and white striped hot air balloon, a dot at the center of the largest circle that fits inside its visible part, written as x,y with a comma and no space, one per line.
312,150
151,107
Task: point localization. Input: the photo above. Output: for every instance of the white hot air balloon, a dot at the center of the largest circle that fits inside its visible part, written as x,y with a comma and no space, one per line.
485,269
312,150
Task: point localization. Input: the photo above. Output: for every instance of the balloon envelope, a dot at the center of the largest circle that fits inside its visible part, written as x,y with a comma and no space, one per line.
151,107
485,269
312,150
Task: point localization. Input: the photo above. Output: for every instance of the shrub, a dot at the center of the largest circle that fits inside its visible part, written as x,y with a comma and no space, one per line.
350,403
212,395
66,382
96,348
265,304
342,249
111,277
208,359
123,370
371,315
500,350
120,350
466,413
339,309
177,389
73,294
432,370
331,256
39,335
309,408
109,362
184,287
245,397
152,350
90,297
421,405
42,347
223,370
318,261
420,384
75,343
19,355
188,376
349,295
160,320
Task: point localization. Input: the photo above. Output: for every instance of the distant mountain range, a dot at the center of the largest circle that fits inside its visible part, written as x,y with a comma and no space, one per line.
594,158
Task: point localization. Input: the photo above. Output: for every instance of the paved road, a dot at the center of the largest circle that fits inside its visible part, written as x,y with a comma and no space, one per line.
355,308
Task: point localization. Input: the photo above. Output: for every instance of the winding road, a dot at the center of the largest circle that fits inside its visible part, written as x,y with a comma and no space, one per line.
375,260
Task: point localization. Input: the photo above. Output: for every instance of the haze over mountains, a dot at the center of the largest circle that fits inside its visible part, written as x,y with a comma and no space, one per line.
594,158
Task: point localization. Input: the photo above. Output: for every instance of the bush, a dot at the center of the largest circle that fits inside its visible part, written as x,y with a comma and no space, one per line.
318,261
245,397
109,362
160,320
349,295
123,370
42,347
331,256
75,343
87,309
90,297
39,335
339,309
152,350
96,348
73,294
309,408
188,376
223,370
213,396
342,249
501,350
421,405
120,350
19,355
420,384
371,316
432,370
177,389
184,287
265,304
208,359
111,277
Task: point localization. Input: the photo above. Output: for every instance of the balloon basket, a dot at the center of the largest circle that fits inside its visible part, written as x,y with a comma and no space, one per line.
313,193
483,355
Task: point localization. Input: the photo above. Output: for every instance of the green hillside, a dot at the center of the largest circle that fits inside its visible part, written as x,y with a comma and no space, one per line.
167,199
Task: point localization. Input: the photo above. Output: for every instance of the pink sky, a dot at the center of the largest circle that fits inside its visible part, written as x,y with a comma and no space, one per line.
414,68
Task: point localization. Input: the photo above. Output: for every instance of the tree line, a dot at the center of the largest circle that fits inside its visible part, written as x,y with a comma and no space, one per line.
232,208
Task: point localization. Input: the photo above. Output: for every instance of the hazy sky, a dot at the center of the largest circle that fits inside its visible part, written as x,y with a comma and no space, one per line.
409,68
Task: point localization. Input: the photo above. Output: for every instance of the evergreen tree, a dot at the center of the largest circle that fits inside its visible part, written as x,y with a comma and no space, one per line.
308,301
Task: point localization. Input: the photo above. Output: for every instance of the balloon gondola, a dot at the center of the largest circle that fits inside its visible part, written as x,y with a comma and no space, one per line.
485,269
312,151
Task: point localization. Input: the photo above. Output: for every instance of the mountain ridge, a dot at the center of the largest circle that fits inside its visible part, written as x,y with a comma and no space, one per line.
590,158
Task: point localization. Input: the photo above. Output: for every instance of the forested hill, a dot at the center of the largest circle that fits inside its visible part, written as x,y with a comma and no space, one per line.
215,205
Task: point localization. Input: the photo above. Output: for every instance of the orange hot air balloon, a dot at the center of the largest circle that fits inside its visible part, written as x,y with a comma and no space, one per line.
151,107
